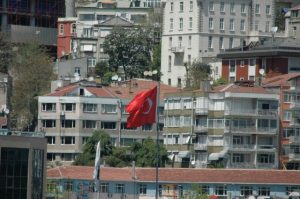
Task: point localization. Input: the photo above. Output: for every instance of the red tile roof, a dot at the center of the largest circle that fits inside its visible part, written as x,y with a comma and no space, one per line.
237,176
281,80
240,89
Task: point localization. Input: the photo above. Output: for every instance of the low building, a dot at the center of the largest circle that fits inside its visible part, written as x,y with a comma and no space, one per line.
23,165
140,183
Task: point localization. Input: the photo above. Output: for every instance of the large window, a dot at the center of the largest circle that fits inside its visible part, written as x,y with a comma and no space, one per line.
108,125
89,107
211,6
50,139
68,123
221,190
143,189
181,6
89,124
109,108
222,7
232,66
242,26
49,123
210,23
268,9
67,140
265,158
264,191
210,42
231,25
37,173
180,23
68,106
243,8
257,9
104,187
171,24
120,188
48,107
221,23
147,127
246,190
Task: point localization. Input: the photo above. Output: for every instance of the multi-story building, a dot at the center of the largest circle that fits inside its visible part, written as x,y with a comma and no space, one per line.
72,113
131,183
262,58
199,30
233,125
23,165
287,86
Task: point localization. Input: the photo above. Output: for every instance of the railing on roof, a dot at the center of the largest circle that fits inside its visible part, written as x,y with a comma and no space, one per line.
21,133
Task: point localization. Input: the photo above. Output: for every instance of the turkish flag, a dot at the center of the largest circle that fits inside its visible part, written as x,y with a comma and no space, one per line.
142,109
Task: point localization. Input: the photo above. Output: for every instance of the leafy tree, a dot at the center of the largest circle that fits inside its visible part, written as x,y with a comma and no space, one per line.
5,54
195,192
156,59
129,49
196,73
101,68
220,81
89,149
119,157
280,20
32,72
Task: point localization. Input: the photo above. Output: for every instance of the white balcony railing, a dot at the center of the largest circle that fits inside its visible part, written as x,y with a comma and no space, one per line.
200,146
294,156
245,147
252,112
294,139
200,128
251,129
177,49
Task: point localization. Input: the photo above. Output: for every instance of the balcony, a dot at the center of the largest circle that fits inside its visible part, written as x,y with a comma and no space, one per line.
200,146
242,147
294,139
266,165
294,156
244,165
268,148
251,130
201,111
295,105
177,49
252,112
198,128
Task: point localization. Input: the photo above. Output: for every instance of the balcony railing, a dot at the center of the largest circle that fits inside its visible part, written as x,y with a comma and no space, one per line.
201,111
246,165
251,129
294,139
294,156
244,147
200,146
199,128
294,105
177,49
251,112
266,147
265,165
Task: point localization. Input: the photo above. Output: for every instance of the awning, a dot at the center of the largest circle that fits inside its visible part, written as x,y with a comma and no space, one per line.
187,141
171,157
216,156
183,154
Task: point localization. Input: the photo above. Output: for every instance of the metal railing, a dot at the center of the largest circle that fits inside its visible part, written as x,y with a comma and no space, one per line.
200,146
251,112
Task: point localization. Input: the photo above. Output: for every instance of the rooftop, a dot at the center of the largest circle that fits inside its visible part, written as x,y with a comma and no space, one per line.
180,175
233,88
281,80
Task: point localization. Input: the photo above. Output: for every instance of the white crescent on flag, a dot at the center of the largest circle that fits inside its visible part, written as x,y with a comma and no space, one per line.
150,103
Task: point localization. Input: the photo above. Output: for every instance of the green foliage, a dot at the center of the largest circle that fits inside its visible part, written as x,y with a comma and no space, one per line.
5,54
218,164
156,58
195,192
119,157
220,81
196,73
280,20
130,49
101,68
32,72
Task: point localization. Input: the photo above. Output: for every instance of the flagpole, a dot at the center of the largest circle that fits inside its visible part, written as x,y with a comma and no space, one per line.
157,136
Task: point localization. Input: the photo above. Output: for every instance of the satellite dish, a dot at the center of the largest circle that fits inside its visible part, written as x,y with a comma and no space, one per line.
115,77
119,79
261,71
274,29
154,72
6,111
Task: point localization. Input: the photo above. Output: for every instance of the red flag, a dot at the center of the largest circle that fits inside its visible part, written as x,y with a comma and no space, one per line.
142,109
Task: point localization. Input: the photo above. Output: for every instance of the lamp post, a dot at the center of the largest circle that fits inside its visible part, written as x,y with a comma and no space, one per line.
150,73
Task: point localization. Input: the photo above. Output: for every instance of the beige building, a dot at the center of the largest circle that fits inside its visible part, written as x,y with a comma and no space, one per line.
23,168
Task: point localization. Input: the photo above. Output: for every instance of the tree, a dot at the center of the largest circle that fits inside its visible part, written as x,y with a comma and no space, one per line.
156,59
195,192
89,149
220,81
32,72
130,49
196,73
5,54
120,157
280,20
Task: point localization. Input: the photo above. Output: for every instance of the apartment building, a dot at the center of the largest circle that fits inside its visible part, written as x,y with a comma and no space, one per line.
71,114
131,183
235,126
265,58
199,30
287,87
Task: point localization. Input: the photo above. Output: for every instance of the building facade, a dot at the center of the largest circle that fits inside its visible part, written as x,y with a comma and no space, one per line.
71,114
199,30
23,168
139,183
231,126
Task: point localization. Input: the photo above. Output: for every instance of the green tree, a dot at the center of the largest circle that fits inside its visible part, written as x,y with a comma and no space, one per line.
101,68
196,73
280,20
120,157
5,54
220,81
130,49
32,72
156,59
89,149
195,192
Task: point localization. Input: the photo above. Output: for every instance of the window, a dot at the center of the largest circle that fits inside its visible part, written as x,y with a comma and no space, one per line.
232,66
180,42
189,60
204,189
48,107
147,127
109,108
221,43
287,115
268,9
211,6
242,63
231,25
221,23
171,24
67,140
256,25
91,62
170,42
238,158
181,6
68,123
120,188
124,127
264,191
143,189
89,124
243,8
191,5
190,22
108,125
265,158
68,186
232,8
73,28
61,29
172,7
77,70
257,9
104,187
290,189
267,26
50,139
180,23
210,23
68,107
252,62
231,42
221,190
67,157
190,42
242,28
49,123
222,7
169,82
246,190
210,42
170,64
179,82
89,107
84,140
87,32
231,79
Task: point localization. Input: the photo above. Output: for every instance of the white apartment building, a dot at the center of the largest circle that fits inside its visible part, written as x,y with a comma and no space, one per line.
199,29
